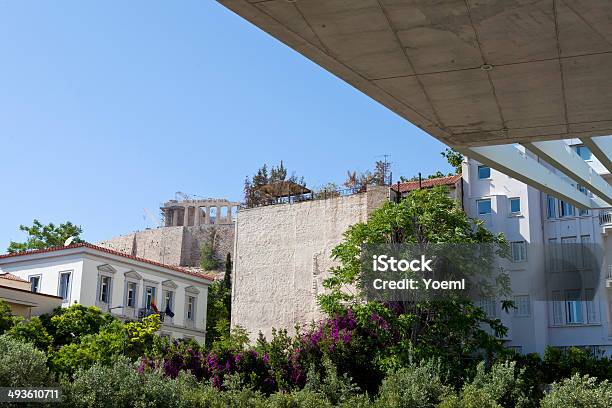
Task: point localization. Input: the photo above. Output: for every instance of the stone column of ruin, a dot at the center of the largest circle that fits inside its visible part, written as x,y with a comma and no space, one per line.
175,217
186,217
196,216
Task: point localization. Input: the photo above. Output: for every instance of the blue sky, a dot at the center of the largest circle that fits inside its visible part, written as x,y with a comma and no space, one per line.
110,107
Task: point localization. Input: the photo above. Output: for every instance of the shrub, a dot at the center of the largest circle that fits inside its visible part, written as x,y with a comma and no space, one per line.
21,364
578,392
31,331
416,386
117,385
559,364
131,339
503,386
69,325
335,388
6,316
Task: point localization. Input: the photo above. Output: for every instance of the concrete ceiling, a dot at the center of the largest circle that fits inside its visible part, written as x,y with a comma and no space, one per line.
469,72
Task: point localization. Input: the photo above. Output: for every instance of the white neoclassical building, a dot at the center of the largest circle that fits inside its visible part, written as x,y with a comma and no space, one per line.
124,285
534,223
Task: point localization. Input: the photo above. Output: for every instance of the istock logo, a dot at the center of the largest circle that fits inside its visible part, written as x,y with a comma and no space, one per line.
384,263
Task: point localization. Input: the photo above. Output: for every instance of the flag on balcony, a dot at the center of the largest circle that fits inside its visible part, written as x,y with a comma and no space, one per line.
168,311
154,306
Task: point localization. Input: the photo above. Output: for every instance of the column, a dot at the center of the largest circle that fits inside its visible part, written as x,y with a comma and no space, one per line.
186,217
175,216
206,215
196,216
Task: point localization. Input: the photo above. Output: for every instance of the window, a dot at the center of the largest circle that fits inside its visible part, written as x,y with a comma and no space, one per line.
484,172
104,291
523,306
489,306
553,255
516,349
567,210
569,255
35,283
515,206
585,253
150,294
64,285
130,299
573,307
484,206
584,191
557,307
583,152
552,207
519,251
191,308
591,306
168,304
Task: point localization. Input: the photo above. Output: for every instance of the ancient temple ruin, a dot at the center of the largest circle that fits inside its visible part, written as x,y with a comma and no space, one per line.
189,213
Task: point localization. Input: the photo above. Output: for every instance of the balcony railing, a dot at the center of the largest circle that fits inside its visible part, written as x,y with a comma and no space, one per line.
143,312
605,217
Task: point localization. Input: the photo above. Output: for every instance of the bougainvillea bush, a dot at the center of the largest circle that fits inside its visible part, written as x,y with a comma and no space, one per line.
363,342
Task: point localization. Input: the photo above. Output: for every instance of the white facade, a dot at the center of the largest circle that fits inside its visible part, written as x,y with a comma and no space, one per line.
532,222
122,285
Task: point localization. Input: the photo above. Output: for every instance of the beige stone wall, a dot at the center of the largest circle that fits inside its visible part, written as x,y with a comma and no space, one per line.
283,253
179,246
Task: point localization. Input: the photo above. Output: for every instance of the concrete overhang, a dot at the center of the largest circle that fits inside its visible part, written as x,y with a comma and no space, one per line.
468,72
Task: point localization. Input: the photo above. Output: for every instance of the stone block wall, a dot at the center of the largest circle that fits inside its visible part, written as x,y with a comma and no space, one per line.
283,254
178,246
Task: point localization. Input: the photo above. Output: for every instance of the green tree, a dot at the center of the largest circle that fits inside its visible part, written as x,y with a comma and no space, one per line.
41,236
6,317
579,391
70,324
131,339
277,174
424,216
31,331
218,311
450,330
21,364
454,158
227,277
208,262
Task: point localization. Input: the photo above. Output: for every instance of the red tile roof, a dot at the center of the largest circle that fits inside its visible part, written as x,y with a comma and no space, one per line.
12,277
108,251
427,183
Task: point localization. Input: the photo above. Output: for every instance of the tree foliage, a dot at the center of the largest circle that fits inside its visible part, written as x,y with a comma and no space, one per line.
424,216
41,236
21,364
6,316
208,260
276,175
380,176
454,158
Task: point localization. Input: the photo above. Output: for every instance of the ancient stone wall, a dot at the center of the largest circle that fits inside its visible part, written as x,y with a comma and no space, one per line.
283,253
179,246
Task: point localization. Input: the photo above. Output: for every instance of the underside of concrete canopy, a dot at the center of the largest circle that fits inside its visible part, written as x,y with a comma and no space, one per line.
469,72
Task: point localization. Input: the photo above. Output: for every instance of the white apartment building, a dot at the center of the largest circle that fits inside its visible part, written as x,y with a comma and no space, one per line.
126,286
535,223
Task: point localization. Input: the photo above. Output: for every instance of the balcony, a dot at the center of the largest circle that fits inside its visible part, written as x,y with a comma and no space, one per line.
605,220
